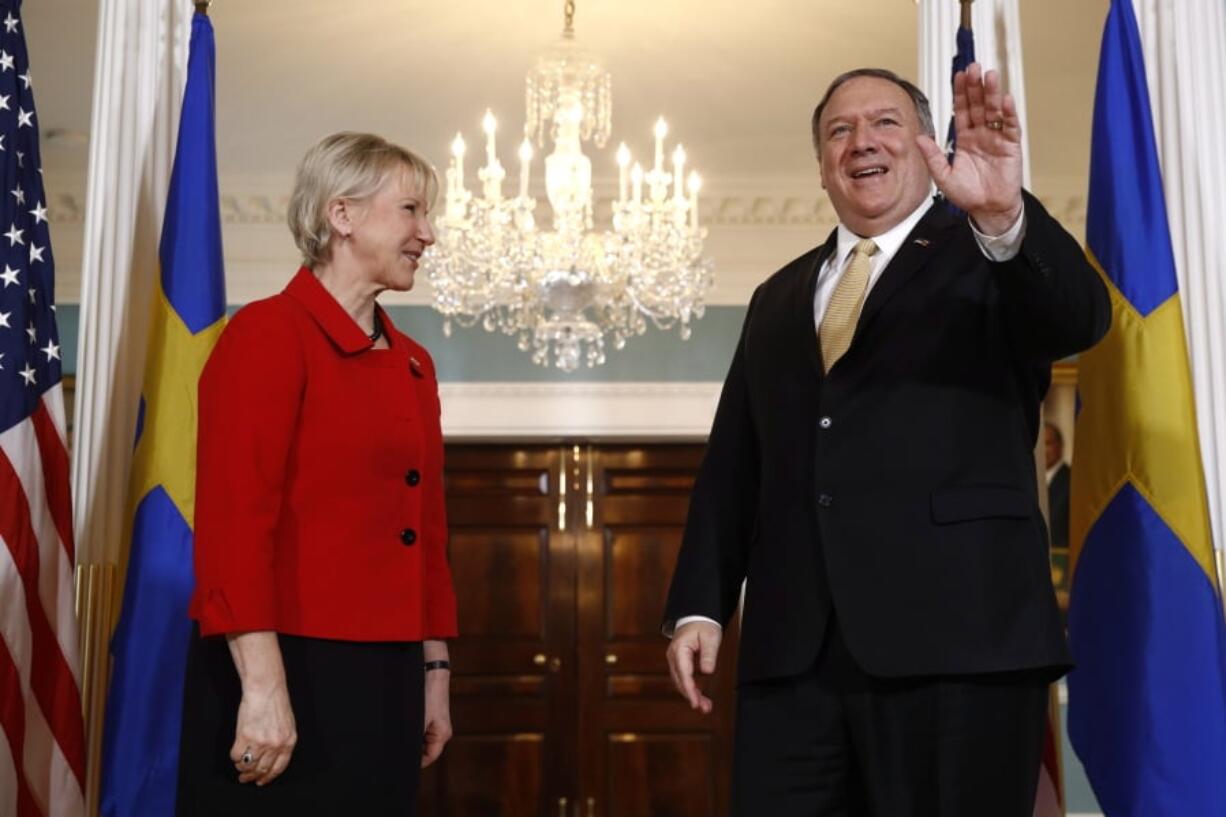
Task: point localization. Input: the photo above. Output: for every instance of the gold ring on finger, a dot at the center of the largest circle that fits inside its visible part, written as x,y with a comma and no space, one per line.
996,124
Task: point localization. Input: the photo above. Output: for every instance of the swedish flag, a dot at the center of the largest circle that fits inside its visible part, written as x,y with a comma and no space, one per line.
141,742
1147,700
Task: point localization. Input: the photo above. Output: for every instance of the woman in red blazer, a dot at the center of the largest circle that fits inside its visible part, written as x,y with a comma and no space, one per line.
323,594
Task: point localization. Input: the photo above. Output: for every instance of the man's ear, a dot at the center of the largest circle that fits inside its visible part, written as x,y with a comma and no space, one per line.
340,217
821,174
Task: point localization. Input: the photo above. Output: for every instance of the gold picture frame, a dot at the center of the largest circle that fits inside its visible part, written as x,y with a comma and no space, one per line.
1060,410
69,384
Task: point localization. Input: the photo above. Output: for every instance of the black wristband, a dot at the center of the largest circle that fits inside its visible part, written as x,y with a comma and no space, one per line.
437,665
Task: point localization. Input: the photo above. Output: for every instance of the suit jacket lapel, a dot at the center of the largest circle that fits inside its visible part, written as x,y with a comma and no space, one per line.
929,235
807,290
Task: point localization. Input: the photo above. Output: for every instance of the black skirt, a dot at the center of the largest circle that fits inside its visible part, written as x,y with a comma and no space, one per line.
358,708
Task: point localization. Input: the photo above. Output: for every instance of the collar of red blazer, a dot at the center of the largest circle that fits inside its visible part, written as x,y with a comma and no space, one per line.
331,316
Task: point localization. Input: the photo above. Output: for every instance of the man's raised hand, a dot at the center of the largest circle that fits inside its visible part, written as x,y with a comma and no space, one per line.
985,179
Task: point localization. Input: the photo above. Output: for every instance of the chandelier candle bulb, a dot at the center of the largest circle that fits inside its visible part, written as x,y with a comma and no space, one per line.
490,125
457,154
525,161
623,169
636,177
661,132
679,173
695,185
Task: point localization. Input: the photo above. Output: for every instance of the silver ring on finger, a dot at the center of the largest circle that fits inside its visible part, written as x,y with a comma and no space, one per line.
246,758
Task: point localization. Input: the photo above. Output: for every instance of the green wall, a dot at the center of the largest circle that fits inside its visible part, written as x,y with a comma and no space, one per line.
474,355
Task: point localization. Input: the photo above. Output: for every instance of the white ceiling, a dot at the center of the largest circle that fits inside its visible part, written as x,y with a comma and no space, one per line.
737,80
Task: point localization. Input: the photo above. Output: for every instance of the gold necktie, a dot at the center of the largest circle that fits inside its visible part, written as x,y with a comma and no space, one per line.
839,324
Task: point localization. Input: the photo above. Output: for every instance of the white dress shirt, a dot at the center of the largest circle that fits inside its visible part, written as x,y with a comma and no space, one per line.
996,248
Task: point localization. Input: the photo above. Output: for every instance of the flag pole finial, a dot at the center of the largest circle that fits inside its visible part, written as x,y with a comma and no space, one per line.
966,13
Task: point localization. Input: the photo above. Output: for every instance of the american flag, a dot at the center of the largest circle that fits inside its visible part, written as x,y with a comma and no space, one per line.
42,756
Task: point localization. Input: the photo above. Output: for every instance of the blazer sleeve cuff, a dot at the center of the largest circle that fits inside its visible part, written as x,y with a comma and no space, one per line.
218,616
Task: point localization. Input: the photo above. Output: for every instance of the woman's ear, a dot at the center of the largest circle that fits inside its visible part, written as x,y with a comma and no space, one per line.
340,217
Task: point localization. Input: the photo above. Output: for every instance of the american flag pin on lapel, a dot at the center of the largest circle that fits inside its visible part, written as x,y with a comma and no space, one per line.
414,366
923,242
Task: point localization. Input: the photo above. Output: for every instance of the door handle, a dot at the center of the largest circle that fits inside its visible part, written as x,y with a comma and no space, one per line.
590,508
563,486
540,659
562,801
591,807
610,658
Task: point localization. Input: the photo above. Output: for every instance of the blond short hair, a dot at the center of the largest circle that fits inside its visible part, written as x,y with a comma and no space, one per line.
346,165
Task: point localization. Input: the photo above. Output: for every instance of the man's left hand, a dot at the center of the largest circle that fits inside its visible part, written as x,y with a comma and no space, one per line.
985,179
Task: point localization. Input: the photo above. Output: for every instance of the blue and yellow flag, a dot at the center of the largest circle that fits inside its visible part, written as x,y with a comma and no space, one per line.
141,742
1147,700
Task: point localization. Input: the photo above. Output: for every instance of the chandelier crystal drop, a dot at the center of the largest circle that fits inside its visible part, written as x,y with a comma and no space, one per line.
562,288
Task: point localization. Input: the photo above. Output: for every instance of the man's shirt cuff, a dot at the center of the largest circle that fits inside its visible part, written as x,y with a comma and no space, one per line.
684,620
1002,247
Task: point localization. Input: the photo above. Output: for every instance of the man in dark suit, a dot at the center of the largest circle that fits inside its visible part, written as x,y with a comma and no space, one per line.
870,477
1057,485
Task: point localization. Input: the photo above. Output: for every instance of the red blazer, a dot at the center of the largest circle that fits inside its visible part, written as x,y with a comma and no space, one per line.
319,482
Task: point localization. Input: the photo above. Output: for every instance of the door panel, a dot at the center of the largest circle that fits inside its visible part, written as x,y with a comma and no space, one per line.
501,580
653,776
513,669
561,699
639,563
491,774
644,751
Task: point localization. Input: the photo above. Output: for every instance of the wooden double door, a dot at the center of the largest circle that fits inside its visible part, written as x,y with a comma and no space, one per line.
561,698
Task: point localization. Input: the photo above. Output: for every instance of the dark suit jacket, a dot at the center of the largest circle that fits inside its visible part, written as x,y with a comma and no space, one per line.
898,490
1057,506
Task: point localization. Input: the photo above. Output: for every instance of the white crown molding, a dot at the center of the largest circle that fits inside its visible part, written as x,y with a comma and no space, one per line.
755,227
591,410
761,210
736,202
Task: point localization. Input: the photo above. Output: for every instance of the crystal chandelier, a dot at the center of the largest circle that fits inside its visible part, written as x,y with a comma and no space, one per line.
561,289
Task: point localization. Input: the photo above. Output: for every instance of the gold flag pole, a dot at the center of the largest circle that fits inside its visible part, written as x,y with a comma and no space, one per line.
95,590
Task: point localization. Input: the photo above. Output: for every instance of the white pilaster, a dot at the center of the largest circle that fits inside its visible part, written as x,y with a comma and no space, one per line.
140,74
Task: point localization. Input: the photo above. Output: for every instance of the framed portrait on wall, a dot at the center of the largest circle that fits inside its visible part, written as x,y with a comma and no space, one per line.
1059,415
